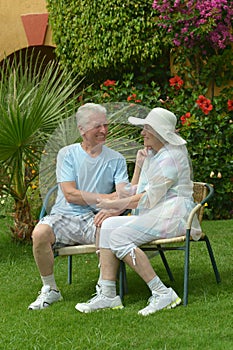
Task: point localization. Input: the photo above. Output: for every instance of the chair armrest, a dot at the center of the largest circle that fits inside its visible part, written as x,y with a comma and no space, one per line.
199,205
45,203
210,194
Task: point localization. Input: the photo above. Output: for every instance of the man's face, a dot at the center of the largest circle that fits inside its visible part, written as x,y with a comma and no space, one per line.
95,132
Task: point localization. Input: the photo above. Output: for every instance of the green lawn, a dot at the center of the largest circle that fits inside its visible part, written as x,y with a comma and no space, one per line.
206,323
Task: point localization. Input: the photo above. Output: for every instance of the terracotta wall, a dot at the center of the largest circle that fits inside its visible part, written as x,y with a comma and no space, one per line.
23,23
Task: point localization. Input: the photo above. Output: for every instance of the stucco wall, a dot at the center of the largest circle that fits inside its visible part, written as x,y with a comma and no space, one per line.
12,32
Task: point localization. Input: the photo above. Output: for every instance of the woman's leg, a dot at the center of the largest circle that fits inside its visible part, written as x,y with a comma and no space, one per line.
109,264
140,263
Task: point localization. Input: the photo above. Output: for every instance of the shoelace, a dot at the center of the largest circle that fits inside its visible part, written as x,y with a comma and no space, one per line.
153,296
41,296
95,295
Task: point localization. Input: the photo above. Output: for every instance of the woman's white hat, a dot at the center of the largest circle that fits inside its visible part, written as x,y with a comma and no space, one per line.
163,122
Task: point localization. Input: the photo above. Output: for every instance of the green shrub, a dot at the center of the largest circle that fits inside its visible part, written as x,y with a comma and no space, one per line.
96,38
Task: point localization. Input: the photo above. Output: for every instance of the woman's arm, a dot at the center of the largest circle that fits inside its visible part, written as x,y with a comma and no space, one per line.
141,156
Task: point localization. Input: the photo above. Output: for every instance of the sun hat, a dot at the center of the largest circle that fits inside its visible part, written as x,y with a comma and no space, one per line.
163,122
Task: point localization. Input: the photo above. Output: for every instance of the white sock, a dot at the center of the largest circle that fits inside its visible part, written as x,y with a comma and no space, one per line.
108,288
49,281
156,285
100,279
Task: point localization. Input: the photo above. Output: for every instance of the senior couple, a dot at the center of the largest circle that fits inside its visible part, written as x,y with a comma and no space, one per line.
92,181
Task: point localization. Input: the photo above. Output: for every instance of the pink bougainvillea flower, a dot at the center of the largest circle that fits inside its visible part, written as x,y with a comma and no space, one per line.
176,82
230,105
204,104
109,82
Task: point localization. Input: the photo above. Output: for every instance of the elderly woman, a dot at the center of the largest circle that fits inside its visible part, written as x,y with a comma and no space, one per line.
161,205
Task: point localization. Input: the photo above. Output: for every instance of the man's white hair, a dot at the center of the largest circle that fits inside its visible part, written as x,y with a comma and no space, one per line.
86,111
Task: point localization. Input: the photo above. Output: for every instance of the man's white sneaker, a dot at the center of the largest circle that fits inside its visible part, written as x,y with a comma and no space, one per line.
161,301
98,302
46,297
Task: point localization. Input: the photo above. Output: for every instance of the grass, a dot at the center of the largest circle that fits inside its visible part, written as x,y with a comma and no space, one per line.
206,323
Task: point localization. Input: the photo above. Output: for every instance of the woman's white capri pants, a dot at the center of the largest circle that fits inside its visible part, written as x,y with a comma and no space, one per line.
117,235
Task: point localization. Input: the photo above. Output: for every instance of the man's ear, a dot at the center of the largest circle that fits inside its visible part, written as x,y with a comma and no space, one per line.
81,130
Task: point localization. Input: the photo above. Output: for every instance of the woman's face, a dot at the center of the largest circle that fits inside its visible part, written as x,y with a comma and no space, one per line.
151,138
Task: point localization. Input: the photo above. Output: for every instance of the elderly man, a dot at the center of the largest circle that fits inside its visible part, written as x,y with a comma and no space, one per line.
85,172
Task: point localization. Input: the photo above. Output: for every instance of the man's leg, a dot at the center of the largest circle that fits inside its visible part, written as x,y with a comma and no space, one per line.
43,238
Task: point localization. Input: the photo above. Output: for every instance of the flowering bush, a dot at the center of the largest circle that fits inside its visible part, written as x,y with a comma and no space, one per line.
195,23
125,91
207,126
200,35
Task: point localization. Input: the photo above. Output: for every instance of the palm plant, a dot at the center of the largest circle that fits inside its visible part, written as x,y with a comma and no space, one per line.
33,100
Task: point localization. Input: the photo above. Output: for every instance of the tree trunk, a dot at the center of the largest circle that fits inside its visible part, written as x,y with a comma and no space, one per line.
23,222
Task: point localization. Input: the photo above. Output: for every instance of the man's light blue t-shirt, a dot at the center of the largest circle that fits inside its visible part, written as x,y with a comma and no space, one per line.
98,175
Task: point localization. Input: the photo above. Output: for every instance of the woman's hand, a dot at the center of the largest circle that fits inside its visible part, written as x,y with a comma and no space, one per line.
141,156
104,214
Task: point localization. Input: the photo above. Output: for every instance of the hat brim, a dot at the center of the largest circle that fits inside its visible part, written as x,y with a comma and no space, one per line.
171,137
136,121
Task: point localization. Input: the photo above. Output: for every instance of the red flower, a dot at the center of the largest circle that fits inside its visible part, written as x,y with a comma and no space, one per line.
204,104
110,82
176,82
201,99
184,118
230,105
131,97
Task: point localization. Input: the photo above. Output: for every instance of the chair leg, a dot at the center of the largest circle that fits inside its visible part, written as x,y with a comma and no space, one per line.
186,270
123,286
69,269
213,261
163,257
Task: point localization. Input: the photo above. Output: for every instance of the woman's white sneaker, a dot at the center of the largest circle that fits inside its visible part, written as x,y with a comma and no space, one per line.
98,302
161,301
47,296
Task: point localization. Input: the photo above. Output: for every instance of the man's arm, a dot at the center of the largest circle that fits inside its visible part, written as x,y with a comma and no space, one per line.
75,196
119,204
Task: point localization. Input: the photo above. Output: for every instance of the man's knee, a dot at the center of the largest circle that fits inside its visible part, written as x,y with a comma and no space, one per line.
43,234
